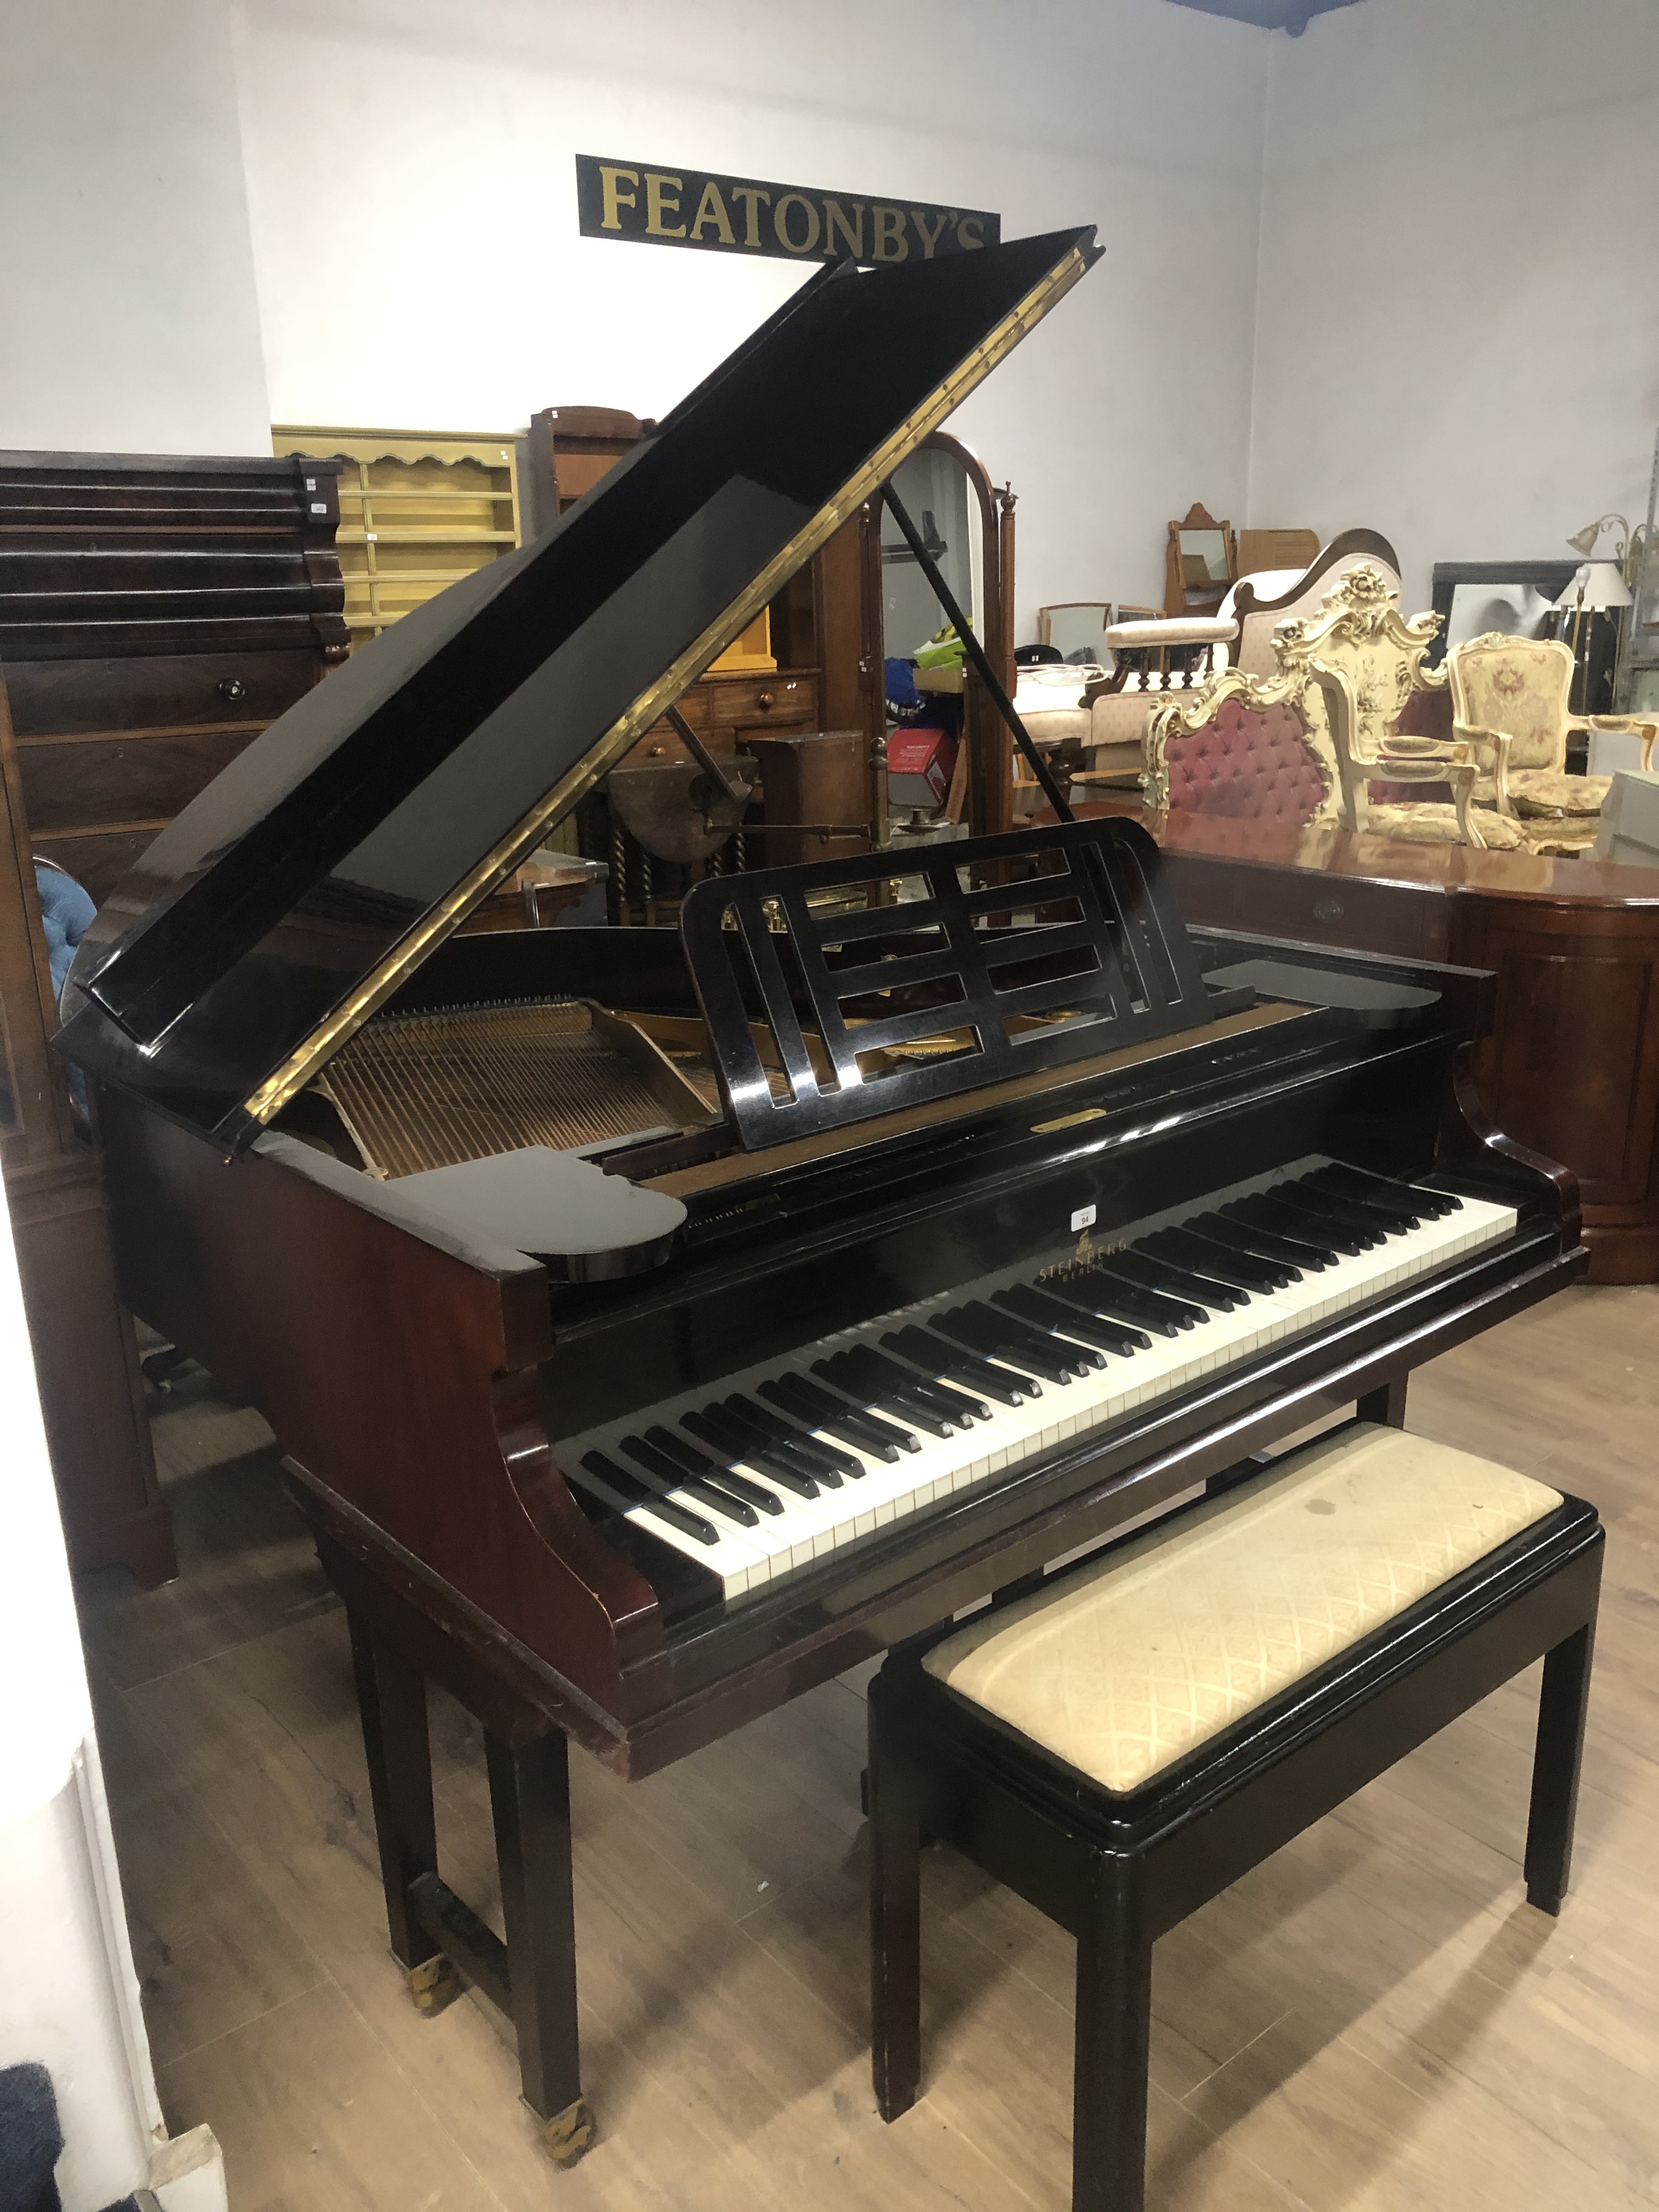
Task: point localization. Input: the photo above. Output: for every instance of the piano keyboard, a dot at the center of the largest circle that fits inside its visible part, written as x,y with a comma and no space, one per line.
782,1464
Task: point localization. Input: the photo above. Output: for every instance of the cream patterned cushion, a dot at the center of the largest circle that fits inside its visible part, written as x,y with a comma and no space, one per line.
1130,1662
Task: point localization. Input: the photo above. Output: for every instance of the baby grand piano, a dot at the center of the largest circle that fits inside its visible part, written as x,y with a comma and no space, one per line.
657,1325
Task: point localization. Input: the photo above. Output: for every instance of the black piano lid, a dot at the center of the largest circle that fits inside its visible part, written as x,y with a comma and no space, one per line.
272,916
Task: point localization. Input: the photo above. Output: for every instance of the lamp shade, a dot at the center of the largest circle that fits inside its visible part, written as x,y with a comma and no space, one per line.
1597,585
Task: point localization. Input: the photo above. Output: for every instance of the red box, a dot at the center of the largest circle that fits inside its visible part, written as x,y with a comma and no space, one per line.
920,765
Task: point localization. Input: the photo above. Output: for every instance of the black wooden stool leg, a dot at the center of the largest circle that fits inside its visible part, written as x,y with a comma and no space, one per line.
895,1922
1113,2040
1561,1709
1386,1405
530,1799
392,1704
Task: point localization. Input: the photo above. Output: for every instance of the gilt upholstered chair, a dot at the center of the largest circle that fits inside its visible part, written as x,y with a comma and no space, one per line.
1243,751
1362,663
1510,704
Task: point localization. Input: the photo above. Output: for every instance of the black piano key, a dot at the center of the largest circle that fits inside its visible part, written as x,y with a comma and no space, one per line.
807,1402
958,1407
871,1397
714,1424
603,1479
1435,1205
1273,1211
1160,1297
1052,1329
1384,1205
877,1425
662,1475
1186,1249
1246,1244
1334,1216
1037,1306
880,1373
1393,1221
938,1359
1074,1294
726,1477
811,1457
1000,1336
1302,1253
783,1439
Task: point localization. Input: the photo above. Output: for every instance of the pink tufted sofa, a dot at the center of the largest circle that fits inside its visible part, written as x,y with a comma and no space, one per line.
1250,761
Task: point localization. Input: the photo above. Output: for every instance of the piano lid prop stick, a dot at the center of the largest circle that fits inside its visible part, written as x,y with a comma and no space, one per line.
975,653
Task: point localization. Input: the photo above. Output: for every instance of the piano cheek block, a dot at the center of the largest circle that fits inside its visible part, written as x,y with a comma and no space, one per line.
585,1227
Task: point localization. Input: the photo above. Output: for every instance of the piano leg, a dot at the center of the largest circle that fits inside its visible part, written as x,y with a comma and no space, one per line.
894,1923
439,1942
392,1704
1113,2039
530,1800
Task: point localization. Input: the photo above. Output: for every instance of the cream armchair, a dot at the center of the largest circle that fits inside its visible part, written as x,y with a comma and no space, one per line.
1510,705
1364,661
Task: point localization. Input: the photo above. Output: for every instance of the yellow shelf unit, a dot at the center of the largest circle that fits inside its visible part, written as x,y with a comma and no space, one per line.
419,509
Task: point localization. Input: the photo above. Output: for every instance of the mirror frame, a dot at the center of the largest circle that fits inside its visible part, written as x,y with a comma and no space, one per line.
1176,588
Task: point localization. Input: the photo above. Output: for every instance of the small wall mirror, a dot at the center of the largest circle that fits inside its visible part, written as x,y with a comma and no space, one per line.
1077,629
1203,562
937,494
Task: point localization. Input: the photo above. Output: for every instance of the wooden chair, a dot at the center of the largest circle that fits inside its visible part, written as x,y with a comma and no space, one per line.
1120,1743
1365,661
1510,699
1242,750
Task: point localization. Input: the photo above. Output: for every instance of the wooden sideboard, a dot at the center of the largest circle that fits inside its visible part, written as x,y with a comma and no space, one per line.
156,611
1571,1066
85,1358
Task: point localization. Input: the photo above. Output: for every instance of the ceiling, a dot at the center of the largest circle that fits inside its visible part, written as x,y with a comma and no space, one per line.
1291,16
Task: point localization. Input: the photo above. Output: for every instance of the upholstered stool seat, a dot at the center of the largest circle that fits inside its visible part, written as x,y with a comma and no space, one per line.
1434,822
1122,1741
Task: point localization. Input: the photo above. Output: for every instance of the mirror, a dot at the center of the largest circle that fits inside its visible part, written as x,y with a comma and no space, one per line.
1077,629
938,496
1203,562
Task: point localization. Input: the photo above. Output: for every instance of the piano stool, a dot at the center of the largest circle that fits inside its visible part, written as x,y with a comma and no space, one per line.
1120,1743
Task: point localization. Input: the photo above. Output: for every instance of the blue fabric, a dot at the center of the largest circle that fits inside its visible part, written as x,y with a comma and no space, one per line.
900,682
66,911
31,2140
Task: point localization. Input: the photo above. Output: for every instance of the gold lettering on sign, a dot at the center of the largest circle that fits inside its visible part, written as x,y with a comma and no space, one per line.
780,223
929,238
711,209
753,199
968,233
834,219
658,202
889,243
614,198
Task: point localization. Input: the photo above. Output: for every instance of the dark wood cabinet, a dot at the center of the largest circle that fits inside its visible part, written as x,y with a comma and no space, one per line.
85,1357
156,611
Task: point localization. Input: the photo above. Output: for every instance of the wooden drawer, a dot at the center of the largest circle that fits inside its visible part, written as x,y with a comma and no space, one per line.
159,691
788,699
99,857
88,783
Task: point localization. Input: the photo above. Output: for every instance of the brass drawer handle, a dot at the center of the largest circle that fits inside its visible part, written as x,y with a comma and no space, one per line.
1329,909
764,699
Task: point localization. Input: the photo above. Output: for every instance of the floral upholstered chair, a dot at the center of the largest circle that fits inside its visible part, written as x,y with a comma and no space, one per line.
1242,750
1362,665
1510,699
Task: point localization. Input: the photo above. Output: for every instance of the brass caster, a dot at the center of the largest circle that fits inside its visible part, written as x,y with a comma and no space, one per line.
433,1985
568,2135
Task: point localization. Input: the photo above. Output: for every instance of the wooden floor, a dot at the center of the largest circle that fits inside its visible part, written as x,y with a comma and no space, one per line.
1372,2019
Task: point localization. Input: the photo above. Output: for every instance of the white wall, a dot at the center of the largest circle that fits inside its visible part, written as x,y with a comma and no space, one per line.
1458,317
411,182
128,316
